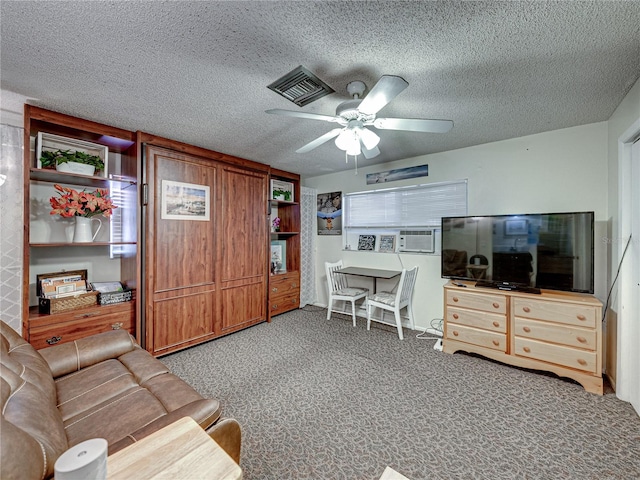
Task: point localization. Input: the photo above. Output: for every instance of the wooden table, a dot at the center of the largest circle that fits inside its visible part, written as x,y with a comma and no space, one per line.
181,450
374,273
390,474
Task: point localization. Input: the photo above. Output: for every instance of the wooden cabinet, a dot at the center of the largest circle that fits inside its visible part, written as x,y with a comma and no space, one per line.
206,271
48,330
284,293
284,282
554,331
48,242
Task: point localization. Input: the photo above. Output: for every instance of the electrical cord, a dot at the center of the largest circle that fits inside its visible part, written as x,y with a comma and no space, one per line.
436,324
606,305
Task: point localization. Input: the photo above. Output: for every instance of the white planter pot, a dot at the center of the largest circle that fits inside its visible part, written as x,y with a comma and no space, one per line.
74,167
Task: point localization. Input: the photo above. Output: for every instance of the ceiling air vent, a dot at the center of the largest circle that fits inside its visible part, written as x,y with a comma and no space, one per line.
301,87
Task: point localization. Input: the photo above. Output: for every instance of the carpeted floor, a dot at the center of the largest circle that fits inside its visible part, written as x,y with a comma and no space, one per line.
319,399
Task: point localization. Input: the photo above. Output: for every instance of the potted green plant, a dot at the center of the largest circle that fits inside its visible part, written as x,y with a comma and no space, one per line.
71,161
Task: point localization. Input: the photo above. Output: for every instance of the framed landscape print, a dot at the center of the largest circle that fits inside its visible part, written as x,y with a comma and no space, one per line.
185,201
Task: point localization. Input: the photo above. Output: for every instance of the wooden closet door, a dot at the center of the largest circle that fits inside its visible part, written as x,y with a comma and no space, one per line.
180,252
243,257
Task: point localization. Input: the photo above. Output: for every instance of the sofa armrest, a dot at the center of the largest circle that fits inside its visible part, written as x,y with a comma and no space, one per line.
73,356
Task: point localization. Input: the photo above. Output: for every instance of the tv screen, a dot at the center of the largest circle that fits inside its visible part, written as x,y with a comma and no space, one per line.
535,251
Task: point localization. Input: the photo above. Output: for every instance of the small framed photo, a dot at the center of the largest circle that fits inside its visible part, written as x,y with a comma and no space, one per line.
185,201
387,243
367,242
516,226
282,191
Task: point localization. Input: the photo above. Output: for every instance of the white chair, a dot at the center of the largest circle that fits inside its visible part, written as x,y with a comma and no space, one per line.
396,301
340,290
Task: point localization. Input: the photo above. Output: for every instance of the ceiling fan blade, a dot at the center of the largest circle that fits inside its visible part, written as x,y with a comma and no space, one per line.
369,153
320,140
413,124
387,88
311,116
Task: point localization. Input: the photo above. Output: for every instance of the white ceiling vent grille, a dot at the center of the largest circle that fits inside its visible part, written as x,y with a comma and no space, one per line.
301,87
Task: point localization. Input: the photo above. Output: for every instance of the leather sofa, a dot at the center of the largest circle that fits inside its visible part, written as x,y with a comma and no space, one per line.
102,386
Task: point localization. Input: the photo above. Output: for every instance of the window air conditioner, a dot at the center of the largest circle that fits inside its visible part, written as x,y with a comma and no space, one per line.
422,241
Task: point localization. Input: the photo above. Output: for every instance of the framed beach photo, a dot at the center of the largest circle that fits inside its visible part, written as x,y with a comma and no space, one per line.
185,201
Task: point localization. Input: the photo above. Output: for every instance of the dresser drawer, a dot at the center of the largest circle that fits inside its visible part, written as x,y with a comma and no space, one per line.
283,284
571,314
485,302
556,333
63,332
476,336
474,318
558,354
284,303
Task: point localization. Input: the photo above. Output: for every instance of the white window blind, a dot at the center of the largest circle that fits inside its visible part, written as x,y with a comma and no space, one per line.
413,206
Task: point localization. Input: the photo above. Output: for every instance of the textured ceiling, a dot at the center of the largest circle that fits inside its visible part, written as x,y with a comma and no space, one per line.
197,71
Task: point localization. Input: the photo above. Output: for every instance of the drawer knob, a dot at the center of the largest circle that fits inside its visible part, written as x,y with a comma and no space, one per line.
455,333
582,361
581,317
455,299
496,343
53,340
526,309
496,324
294,285
581,339
274,307
116,326
274,289
456,316
526,349
526,329
495,305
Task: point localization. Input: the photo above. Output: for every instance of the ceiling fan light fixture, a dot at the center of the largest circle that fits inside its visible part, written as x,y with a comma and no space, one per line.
369,139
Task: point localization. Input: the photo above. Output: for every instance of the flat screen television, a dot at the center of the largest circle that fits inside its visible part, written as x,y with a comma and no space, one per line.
525,252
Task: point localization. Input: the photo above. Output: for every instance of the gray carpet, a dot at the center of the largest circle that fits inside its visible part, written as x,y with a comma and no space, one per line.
321,399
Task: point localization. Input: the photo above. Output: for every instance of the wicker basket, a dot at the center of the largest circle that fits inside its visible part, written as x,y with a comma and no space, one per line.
57,305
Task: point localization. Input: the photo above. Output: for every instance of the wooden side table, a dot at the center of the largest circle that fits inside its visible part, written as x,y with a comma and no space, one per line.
180,450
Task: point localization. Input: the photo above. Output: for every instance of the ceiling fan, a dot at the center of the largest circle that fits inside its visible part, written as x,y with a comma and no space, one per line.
355,115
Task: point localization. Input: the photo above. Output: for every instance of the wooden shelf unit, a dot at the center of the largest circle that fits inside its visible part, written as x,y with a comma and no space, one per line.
56,255
559,332
284,288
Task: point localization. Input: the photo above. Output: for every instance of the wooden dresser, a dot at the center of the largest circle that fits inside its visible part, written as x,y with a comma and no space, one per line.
559,332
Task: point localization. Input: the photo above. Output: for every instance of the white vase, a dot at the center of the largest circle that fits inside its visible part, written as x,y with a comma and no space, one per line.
82,232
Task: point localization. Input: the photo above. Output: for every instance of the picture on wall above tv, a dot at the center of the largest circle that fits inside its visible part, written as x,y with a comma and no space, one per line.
528,252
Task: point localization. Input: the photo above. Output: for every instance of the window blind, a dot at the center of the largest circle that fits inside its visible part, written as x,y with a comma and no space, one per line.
413,206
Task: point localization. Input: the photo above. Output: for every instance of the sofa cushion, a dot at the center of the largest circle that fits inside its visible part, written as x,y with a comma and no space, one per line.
116,417
84,390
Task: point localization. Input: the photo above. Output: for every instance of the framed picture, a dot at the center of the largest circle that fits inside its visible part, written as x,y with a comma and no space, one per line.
282,191
387,243
367,242
278,256
517,226
329,213
185,201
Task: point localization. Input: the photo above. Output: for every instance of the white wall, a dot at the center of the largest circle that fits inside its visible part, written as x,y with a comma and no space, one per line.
561,170
621,321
